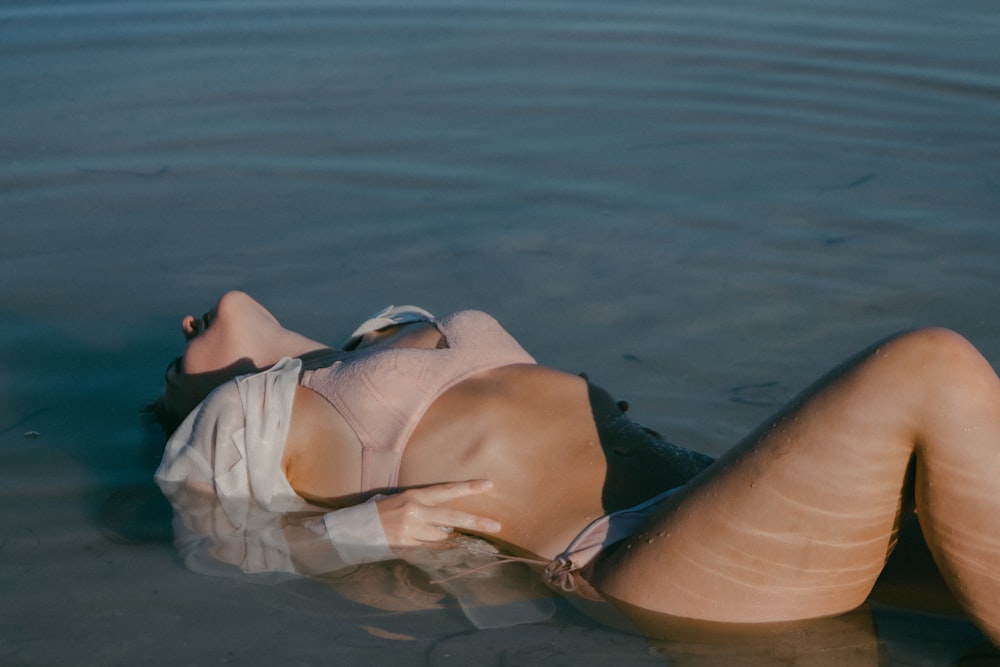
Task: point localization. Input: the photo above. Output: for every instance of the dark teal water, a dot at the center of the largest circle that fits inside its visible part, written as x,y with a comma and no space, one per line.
703,204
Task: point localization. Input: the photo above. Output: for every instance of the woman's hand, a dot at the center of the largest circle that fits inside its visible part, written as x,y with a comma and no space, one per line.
414,517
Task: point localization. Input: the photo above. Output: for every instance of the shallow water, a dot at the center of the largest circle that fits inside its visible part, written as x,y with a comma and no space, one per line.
702,204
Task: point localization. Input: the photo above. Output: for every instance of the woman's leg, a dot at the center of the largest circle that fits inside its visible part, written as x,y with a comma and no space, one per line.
798,520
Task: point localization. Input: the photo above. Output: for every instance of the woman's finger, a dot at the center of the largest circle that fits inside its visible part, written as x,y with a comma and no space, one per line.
465,521
432,533
441,493
447,518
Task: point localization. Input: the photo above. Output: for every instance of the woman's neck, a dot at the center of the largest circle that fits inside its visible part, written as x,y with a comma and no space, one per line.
285,343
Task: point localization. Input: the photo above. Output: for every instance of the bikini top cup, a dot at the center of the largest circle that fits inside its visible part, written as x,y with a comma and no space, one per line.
383,392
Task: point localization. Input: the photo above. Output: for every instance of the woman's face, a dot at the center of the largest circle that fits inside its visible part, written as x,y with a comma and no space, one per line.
233,329
226,341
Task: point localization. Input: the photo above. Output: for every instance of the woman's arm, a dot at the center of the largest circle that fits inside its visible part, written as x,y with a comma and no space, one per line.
368,532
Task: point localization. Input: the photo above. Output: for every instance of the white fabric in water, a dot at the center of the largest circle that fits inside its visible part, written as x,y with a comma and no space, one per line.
232,444
230,448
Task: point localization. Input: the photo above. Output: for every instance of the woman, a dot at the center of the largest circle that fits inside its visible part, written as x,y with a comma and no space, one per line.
795,522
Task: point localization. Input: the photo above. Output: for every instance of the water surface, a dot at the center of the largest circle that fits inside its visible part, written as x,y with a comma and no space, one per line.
703,204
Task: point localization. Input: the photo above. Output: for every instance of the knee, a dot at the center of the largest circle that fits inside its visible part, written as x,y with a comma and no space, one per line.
934,346
942,358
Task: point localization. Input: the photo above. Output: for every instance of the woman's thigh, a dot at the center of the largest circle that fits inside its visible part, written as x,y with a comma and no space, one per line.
795,522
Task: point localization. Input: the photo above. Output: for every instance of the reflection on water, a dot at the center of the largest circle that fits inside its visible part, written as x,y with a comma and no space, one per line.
702,204
235,536
466,576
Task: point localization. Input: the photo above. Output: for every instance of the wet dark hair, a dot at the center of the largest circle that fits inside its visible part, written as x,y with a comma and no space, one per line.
167,419
190,390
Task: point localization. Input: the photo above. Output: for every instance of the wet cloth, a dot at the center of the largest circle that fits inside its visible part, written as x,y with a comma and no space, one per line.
230,449
383,391
233,443
390,316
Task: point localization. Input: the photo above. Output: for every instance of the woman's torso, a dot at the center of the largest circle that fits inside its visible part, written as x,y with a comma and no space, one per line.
528,429
532,430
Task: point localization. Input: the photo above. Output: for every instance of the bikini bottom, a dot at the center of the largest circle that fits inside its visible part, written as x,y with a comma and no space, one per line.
599,535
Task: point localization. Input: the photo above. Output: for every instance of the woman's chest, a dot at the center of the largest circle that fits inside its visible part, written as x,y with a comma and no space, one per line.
322,457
